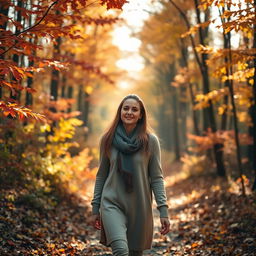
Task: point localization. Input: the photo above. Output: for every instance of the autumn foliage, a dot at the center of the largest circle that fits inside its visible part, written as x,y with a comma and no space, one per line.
203,61
26,28
50,63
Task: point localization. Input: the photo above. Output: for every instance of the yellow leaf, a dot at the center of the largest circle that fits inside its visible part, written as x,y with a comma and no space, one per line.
45,128
88,89
222,109
51,245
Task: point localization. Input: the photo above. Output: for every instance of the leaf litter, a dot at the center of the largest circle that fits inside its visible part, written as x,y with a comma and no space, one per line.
207,218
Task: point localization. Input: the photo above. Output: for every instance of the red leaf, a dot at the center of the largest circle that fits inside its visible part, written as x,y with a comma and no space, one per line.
10,242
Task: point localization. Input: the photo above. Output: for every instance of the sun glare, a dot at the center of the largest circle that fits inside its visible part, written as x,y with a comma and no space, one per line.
123,39
134,14
128,44
132,63
124,85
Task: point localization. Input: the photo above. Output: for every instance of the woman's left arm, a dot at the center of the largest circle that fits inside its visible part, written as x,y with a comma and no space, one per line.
157,184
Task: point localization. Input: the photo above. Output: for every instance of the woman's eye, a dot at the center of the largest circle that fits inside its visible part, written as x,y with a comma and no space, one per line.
132,109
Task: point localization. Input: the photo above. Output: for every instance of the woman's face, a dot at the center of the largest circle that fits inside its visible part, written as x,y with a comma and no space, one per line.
130,112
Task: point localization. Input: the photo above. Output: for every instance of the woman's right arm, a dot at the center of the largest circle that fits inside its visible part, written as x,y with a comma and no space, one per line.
101,177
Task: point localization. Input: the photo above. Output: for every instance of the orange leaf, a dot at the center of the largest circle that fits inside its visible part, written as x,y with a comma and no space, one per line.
194,245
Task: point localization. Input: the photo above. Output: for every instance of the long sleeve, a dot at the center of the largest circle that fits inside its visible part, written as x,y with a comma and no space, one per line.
156,177
101,177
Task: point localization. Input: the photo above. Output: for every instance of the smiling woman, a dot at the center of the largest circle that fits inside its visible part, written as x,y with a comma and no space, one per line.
129,171
130,114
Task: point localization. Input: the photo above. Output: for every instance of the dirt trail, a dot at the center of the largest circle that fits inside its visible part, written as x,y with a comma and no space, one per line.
209,217
160,243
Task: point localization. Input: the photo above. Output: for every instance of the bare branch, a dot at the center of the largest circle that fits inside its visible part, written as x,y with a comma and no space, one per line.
184,16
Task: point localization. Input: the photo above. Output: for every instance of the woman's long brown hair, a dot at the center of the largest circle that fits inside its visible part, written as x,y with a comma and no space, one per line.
144,129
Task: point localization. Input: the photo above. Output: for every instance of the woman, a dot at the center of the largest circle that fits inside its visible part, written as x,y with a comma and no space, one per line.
130,169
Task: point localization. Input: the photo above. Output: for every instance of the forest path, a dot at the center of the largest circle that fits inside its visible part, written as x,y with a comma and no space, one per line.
208,217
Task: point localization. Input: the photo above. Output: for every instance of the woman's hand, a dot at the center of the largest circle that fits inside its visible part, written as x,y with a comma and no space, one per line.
165,226
96,221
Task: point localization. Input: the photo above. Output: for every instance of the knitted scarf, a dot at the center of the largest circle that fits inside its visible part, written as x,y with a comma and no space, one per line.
126,145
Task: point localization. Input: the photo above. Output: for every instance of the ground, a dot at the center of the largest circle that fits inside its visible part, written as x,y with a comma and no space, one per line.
208,217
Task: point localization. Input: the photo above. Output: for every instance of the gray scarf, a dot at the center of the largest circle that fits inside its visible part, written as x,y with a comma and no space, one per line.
126,145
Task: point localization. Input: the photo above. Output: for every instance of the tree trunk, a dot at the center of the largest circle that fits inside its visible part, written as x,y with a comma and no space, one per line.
86,101
227,45
54,85
183,99
194,114
70,96
4,11
217,148
16,57
29,96
184,63
208,112
176,133
253,108
63,87
55,75
80,97
238,151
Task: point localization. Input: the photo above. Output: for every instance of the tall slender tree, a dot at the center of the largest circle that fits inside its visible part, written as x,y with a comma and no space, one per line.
209,117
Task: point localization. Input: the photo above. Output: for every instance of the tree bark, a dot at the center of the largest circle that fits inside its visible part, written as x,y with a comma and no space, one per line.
80,97
70,96
228,61
29,96
176,133
63,87
55,75
194,114
16,57
54,85
227,45
86,108
217,148
253,107
4,11
184,63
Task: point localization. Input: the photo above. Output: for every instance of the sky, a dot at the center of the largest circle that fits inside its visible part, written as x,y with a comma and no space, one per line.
134,13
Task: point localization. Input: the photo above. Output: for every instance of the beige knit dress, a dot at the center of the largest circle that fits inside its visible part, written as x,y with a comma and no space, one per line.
125,215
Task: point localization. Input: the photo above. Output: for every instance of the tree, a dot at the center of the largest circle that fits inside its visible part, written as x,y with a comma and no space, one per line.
49,21
209,117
